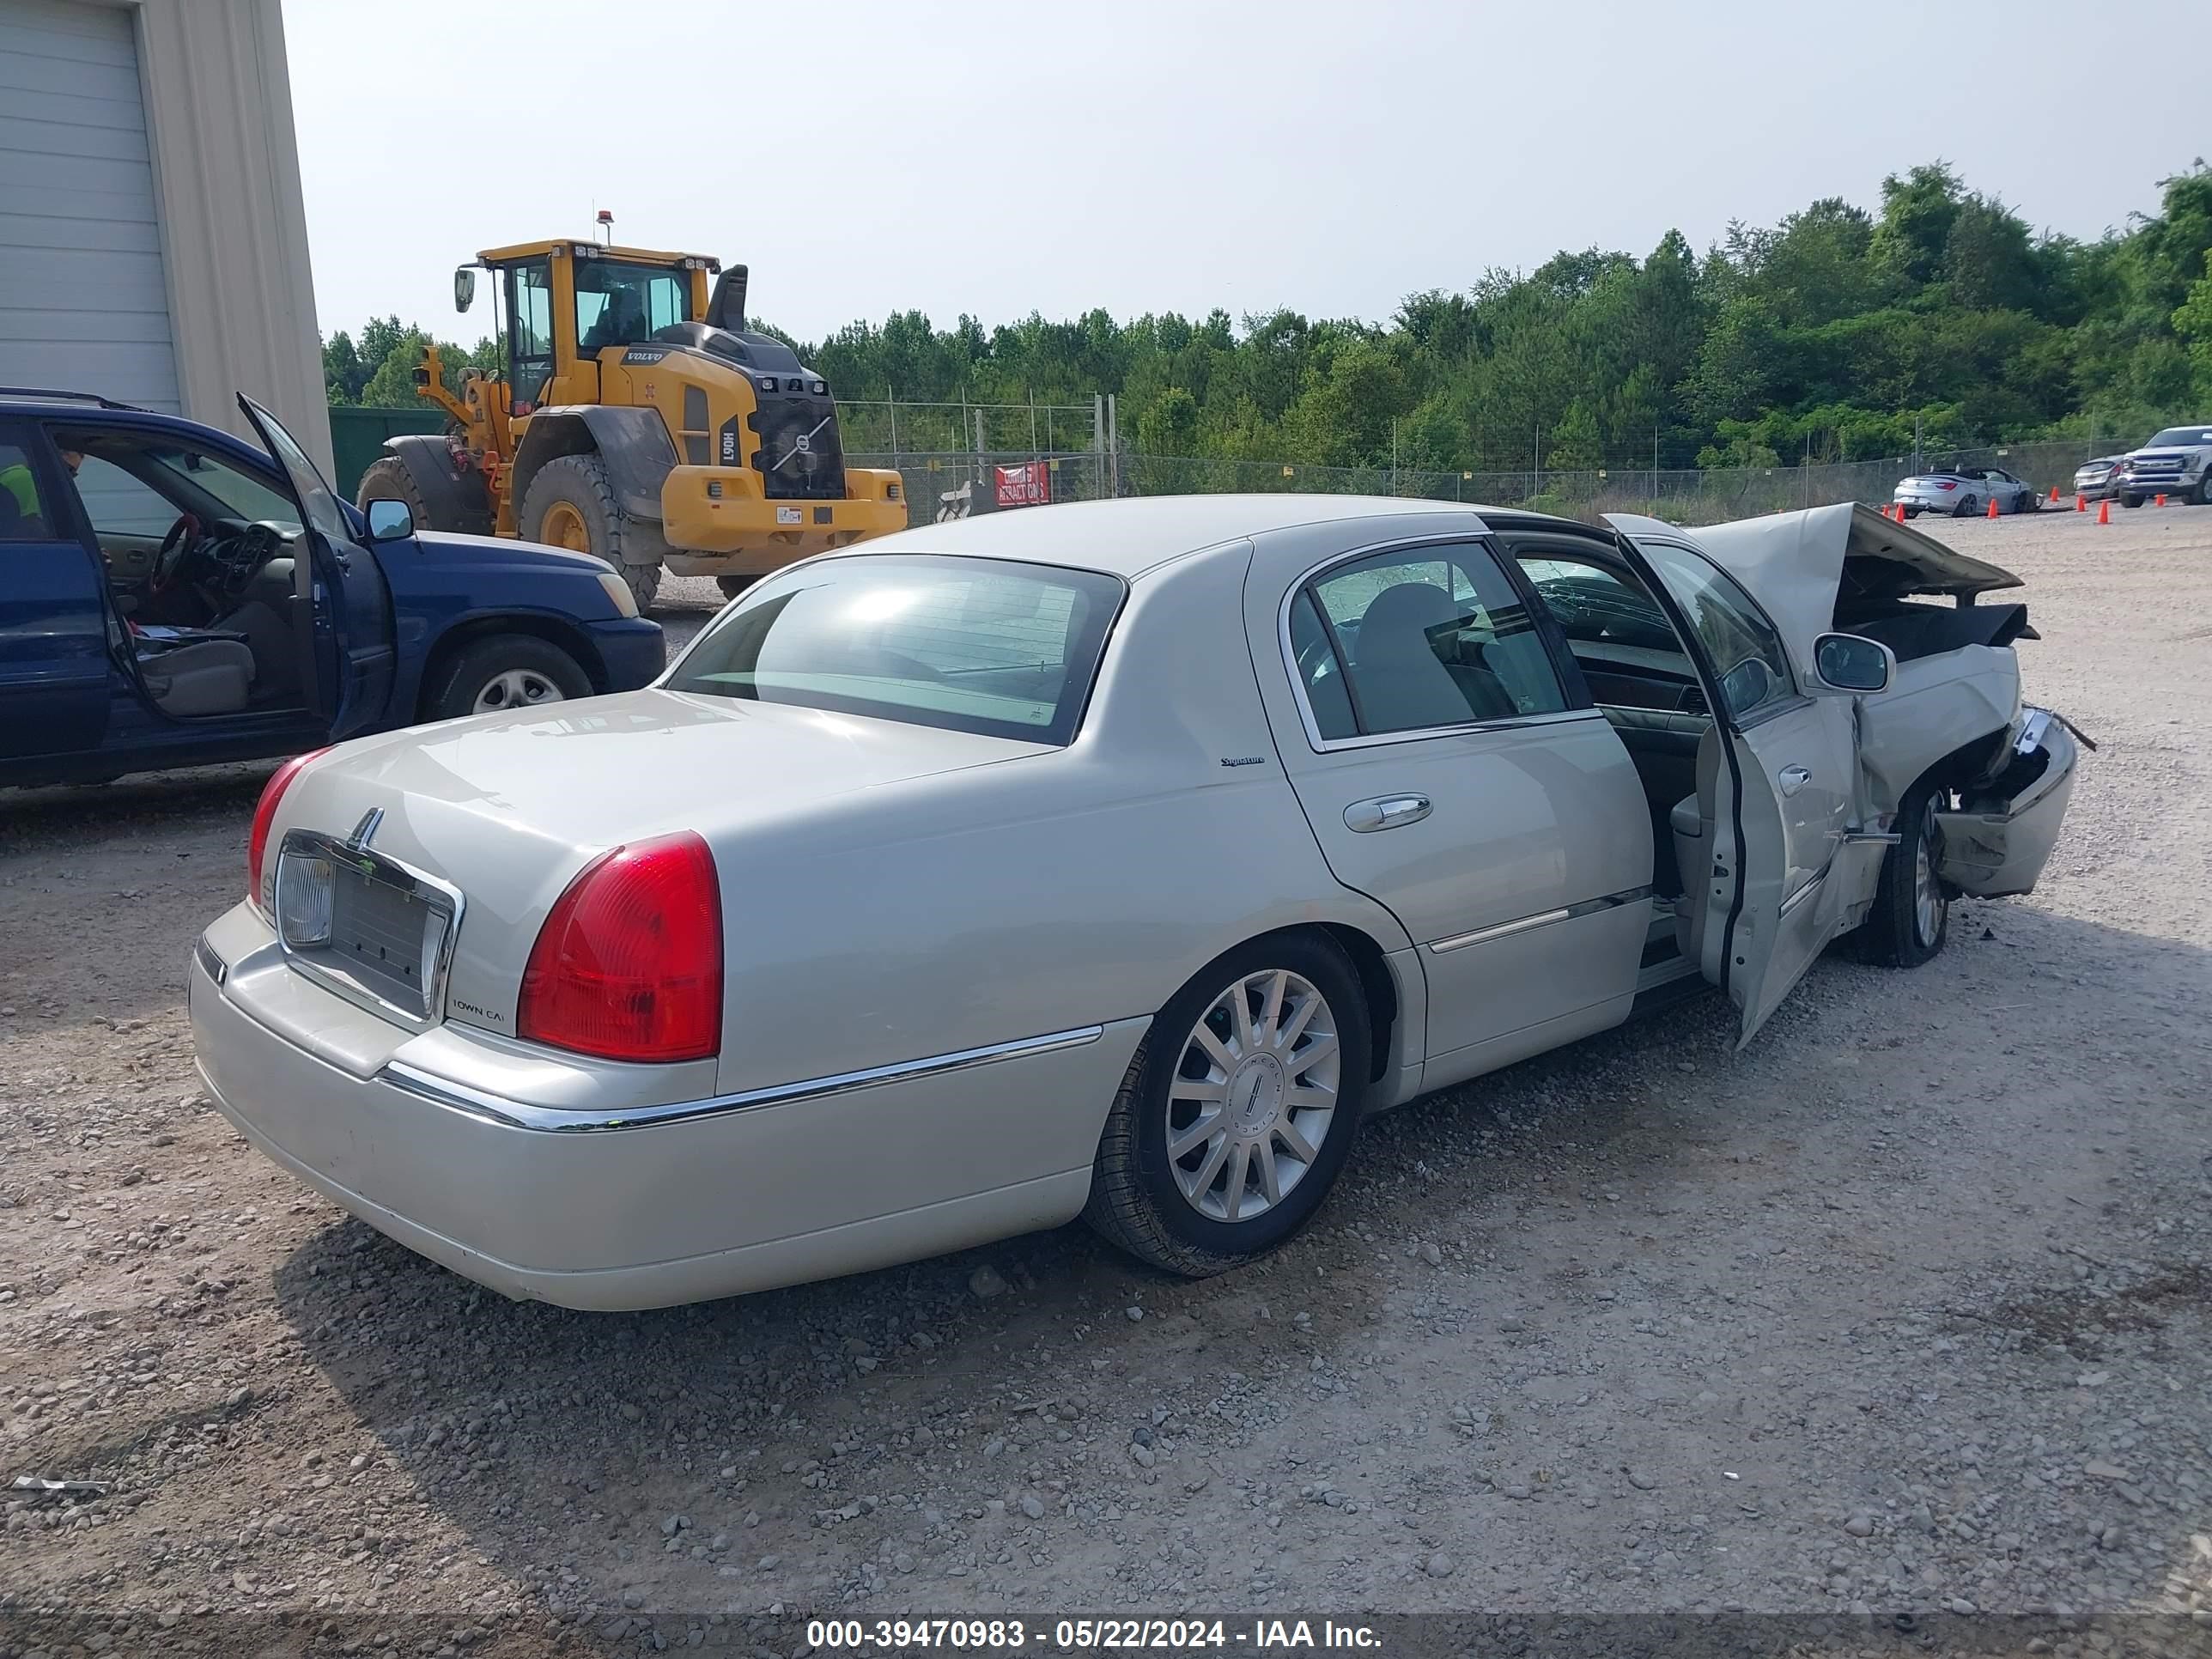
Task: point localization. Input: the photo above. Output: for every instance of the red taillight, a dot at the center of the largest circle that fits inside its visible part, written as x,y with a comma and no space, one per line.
264,814
628,966
1946,484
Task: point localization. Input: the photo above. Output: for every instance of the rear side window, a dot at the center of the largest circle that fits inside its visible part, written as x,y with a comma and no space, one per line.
1423,638
988,646
23,516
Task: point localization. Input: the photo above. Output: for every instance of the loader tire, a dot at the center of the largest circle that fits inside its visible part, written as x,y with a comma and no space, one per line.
571,504
387,479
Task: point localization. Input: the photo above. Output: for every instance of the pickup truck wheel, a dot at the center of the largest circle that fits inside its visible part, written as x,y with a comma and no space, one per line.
2130,500
1911,913
1238,1109
2204,488
504,672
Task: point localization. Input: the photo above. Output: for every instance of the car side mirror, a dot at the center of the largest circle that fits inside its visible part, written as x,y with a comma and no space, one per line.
390,521
464,287
1852,663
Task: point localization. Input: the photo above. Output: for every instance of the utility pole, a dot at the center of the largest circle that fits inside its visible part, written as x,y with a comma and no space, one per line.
1033,442
1098,437
1393,458
1538,487
891,397
1916,446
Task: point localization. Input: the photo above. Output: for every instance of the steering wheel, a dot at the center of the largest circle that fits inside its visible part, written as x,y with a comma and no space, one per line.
171,554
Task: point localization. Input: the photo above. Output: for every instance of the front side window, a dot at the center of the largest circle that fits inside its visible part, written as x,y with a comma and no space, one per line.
619,304
988,646
528,328
1743,644
1427,637
134,486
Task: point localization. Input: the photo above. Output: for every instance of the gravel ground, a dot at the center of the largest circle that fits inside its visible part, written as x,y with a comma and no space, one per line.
1903,1308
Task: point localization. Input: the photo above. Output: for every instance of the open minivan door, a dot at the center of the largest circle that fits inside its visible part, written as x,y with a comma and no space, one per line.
342,605
1770,848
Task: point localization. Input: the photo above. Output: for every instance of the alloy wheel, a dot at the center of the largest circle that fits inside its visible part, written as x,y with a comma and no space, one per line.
1929,903
515,688
1254,1090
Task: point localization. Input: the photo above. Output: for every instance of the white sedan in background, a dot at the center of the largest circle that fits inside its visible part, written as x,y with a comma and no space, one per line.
1962,492
1108,859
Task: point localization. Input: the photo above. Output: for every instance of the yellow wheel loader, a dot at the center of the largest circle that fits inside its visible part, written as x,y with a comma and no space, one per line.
635,417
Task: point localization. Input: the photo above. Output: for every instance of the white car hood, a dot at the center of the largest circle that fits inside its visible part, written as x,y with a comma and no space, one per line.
1793,562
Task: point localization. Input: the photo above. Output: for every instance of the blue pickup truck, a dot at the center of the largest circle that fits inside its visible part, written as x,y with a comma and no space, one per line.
171,596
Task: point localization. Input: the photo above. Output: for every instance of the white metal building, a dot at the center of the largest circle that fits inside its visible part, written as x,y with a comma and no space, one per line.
153,241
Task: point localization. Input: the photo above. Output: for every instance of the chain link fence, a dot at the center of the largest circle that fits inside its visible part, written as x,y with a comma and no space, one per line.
1689,495
955,483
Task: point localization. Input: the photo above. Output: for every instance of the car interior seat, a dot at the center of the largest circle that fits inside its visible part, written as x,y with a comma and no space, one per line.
1403,684
197,676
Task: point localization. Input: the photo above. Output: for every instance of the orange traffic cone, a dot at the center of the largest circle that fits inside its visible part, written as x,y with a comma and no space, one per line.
2080,503
2158,501
2105,511
1992,512
2054,494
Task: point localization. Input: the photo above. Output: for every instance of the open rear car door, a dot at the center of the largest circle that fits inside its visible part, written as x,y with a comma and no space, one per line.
342,607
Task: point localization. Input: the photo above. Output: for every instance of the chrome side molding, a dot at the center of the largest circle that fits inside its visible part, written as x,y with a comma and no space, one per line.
552,1120
1542,919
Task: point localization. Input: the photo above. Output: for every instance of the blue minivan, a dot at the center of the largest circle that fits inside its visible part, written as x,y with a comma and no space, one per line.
172,596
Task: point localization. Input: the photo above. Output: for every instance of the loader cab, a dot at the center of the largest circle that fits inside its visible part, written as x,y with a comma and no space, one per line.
566,302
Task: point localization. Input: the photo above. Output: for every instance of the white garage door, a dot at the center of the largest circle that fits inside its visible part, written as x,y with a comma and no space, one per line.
82,303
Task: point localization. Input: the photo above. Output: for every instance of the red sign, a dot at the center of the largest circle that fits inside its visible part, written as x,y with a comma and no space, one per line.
1029,484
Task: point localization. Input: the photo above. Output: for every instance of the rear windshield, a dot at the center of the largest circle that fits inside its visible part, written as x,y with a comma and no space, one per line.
2181,437
988,646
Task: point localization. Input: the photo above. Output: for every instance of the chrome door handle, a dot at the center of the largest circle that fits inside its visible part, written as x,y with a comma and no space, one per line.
1792,779
1385,812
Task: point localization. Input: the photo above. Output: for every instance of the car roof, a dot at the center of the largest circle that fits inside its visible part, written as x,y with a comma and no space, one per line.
1129,537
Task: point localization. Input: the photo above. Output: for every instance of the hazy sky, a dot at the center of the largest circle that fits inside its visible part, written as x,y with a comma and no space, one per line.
997,158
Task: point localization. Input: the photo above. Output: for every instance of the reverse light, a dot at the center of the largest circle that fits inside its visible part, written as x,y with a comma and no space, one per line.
264,815
628,964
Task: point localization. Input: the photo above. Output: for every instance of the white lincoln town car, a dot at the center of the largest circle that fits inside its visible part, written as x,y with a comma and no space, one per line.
1109,860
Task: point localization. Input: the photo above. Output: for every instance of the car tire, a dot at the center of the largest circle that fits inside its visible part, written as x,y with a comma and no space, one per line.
1912,512
2204,488
1967,508
386,478
733,585
502,671
1911,913
1168,1208
2131,500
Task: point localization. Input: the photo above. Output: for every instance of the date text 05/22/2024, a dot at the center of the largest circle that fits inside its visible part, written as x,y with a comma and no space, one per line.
1087,1635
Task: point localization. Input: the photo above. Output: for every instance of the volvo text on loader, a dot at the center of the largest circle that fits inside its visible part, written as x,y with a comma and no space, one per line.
639,419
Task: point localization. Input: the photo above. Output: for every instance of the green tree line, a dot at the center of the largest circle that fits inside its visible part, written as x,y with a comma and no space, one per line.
1828,337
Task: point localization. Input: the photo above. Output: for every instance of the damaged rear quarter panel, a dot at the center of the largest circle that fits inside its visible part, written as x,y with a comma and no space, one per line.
1999,853
1934,706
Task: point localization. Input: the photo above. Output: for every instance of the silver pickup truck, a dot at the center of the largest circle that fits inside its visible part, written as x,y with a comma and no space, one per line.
2177,463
